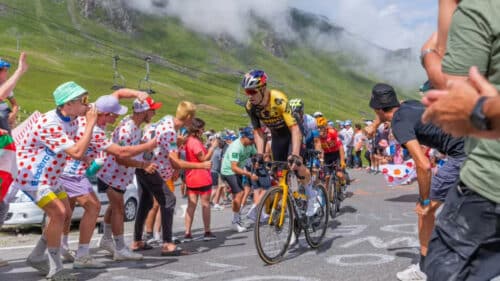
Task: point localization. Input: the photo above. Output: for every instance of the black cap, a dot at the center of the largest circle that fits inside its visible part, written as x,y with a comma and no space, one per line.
383,96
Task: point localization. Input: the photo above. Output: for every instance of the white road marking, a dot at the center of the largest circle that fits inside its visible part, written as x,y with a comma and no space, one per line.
407,228
380,244
344,260
346,230
275,277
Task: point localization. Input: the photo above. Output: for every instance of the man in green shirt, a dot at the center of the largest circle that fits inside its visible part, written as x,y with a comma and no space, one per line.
465,244
232,170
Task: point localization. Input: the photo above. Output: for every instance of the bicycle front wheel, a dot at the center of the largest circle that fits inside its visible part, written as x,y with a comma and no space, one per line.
317,224
332,198
271,238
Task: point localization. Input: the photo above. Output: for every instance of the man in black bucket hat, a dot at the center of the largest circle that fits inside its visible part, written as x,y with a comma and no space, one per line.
410,132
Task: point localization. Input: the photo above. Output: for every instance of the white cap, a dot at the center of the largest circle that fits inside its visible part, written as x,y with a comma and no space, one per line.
110,104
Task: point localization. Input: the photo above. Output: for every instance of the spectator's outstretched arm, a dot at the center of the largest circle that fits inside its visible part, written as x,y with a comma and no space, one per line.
130,94
7,87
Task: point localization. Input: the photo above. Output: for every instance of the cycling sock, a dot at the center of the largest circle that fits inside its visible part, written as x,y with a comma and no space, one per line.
236,217
55,262
64,242
39,248
107,231
148,236
157,235
83,250
119,242
310,192
252,208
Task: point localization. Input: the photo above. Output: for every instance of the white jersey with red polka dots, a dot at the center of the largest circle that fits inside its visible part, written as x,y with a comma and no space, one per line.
166,136
41,157
98,143
112,173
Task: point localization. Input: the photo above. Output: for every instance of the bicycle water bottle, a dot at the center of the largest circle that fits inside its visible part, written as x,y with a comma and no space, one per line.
94,167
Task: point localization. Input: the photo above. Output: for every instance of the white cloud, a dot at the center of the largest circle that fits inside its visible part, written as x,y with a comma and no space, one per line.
391,24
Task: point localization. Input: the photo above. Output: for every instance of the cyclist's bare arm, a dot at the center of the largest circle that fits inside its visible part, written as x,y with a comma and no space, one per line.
296,139
259,140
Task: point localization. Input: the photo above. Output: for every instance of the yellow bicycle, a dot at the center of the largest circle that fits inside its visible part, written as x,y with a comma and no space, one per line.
282,210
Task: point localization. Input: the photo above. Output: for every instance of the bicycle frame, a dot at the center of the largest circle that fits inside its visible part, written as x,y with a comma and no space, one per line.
283,184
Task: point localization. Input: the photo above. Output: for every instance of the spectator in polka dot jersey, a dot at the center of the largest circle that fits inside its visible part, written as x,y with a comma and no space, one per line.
118,172
41,157
77,185
166,156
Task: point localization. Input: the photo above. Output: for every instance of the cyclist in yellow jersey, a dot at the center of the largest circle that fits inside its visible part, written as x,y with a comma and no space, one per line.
271,108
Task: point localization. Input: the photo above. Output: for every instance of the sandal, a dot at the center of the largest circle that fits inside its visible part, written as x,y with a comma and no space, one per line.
145,246
175,253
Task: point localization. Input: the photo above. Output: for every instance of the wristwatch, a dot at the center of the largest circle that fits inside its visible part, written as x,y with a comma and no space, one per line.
423,54
424,202
477,117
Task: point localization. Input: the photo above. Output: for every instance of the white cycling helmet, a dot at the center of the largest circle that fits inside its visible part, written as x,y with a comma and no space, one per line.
317,114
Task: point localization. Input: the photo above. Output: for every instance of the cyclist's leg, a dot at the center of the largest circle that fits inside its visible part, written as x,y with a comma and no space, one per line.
281,146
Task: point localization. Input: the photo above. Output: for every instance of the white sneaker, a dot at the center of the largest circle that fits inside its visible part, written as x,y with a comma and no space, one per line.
412,273
312,206
87,262
293,239
107,245
126,255
67,255
264,218
238,227
252,214
217,207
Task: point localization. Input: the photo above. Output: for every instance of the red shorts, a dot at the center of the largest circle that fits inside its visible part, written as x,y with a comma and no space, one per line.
202,190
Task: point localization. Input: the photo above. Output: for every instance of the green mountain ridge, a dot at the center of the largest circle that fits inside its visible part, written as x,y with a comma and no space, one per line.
64,44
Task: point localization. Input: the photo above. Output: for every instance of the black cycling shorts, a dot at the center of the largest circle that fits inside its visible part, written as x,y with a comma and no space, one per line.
281,146
331,160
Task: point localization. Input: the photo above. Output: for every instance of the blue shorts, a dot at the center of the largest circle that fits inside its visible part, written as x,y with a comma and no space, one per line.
264,180
215,178
446,177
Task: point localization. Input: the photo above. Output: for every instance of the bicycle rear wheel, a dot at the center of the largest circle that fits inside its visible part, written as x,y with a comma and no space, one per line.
317,225
271,239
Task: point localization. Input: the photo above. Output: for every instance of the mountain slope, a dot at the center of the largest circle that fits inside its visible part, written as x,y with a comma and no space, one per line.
63,44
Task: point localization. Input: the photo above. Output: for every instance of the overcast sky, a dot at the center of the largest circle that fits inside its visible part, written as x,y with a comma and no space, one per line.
392,24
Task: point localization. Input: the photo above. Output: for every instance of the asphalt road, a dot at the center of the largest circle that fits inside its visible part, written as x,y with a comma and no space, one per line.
373,238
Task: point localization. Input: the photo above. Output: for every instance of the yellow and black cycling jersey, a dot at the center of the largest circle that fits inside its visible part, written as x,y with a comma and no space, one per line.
277,115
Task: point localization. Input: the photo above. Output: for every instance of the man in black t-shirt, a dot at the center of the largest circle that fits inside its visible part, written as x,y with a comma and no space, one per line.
410,132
